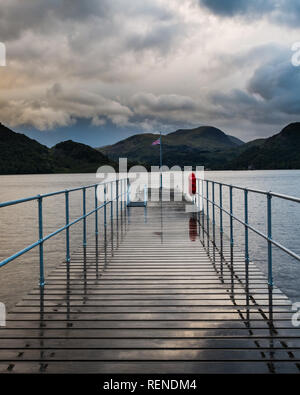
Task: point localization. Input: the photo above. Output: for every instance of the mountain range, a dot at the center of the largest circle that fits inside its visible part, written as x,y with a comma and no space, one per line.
204,146
183,147
210,147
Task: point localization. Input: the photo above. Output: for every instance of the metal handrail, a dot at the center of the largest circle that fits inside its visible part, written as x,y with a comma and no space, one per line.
121,185
268,237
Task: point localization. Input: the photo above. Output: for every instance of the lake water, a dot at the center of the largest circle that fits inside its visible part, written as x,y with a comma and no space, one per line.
18,224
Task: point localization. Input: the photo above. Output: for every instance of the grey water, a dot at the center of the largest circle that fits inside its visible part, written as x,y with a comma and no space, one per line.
18,225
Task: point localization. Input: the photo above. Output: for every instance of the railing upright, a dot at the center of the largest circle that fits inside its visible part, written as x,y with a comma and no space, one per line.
121,193
105,201
207,206
231,214
213,213
221,207
84,213
96,211
111,204
41,244
269,216
67,229
246,231
117,201
221,226
203,206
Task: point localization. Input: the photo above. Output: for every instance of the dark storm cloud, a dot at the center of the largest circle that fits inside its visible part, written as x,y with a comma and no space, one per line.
278,84
285,12
271,96
236,7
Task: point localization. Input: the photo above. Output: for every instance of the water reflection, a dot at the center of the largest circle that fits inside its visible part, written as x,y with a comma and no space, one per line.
193,231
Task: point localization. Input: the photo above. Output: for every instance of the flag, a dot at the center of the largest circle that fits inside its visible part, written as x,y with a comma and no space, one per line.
156,142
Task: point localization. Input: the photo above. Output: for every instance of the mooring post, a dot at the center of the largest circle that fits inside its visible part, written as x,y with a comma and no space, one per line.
269,215
41,243
67,229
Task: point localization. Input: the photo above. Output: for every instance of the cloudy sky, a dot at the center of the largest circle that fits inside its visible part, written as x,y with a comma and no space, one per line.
98,71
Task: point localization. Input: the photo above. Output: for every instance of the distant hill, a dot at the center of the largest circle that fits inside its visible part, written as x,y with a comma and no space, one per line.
202,145
69,156
281,151
21,155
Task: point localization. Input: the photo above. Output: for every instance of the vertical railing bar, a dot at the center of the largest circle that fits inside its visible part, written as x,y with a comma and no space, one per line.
213,212
67,229
41,245
121,192
221,227
231,213
246,215
269,217
117,200
221,207
84,215
207,206
105,222
111,203
198,202
96,211
203,211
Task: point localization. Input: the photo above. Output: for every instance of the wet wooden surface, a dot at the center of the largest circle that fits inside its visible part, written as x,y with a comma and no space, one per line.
155,297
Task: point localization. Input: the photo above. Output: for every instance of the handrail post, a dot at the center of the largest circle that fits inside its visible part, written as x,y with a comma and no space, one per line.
111,203
246,230
105,222
221,207
96,211
207,206
203,208
117,199
67,229
121,193
84,215
231,213
41,244
128,193
213,212
198,200
269,215
221,227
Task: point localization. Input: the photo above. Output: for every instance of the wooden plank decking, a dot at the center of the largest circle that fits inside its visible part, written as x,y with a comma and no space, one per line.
157,302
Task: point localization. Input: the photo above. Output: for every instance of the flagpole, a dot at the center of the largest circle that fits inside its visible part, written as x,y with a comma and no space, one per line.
160,152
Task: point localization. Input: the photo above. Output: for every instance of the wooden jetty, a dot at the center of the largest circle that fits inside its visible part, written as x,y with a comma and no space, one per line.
153,296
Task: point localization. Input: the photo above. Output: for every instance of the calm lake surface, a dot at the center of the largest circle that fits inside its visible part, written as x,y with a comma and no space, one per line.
18,224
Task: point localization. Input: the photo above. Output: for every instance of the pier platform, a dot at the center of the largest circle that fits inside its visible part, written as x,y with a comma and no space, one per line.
152,295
